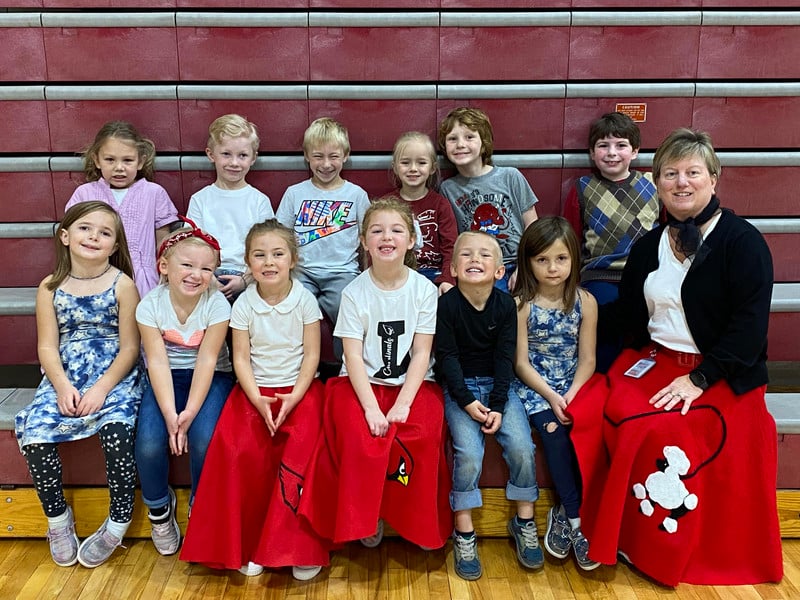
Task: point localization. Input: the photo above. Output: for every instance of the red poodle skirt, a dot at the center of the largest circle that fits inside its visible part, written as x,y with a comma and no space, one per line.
720,504
403,478
246,504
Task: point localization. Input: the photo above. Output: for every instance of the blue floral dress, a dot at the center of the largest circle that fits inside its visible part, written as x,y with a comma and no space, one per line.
553,352
88,343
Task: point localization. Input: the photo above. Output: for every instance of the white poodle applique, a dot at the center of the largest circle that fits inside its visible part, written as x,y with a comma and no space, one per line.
666,489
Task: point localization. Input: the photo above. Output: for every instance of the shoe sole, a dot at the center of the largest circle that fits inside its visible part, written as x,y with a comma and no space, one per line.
89,565
547,535
306,574
521,559
591,567
469,576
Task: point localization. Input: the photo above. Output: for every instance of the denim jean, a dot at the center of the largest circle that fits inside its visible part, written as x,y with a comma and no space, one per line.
152,440
514,436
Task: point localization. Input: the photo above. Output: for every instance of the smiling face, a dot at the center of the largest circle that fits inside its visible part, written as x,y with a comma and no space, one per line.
92,237
612,156
326,162
552,267
477,260
188,267
463,147
271,261
119,162
685,186
387,237
413,166
232,158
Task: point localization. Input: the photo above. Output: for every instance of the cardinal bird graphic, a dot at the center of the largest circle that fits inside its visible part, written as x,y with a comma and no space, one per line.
291,487
401,461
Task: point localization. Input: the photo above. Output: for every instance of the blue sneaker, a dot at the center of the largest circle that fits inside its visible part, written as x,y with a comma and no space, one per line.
526,537
581,547
465,556
557,541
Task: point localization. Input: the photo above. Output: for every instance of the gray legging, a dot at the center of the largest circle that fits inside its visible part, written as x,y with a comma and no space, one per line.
44,464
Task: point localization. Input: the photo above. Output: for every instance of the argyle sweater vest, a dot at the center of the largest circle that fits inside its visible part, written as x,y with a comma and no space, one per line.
615,214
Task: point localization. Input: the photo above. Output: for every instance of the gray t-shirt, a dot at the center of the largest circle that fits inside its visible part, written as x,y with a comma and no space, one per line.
493,203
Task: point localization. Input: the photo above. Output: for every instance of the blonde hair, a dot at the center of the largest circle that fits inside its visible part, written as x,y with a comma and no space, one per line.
473,119
124,132
538,237
411,137
493,243
396,205
684,143
232,126
120,258
326,131
169,249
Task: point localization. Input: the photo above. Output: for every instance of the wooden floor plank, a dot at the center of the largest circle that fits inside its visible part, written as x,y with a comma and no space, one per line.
396,570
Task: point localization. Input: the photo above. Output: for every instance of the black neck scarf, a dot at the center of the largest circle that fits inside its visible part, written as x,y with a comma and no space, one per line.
688,239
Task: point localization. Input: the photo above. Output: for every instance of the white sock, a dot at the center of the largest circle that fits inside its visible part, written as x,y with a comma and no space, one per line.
61,520
575,523
118,530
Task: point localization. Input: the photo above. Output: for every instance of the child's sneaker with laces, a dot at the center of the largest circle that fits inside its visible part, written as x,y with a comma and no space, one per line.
526,538
376,538
581,547
98,547
164,529
557,540
64,542
465,556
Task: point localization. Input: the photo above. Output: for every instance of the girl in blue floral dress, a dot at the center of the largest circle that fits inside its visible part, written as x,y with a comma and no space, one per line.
89,349
556,336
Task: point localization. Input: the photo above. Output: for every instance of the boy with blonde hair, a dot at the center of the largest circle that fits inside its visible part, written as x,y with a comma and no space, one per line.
229,207
325,213
476,337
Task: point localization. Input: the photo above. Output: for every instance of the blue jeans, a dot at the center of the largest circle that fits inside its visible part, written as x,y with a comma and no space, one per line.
514,436
152,440
608,348
502,283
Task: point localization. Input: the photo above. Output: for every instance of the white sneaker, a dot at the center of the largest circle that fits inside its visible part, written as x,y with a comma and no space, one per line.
305,573
251,569
164,530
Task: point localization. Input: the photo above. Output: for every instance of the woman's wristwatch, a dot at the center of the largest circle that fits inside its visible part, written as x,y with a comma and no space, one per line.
698,379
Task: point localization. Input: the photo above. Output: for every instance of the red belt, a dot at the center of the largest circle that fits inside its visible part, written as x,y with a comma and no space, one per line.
684,359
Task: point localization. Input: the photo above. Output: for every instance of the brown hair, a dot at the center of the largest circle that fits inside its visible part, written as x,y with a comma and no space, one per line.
124,132
538,237
393,204
120,258
615,124
474,119
271,226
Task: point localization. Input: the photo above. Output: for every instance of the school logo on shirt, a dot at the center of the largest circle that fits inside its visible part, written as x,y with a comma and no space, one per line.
320,218
389,332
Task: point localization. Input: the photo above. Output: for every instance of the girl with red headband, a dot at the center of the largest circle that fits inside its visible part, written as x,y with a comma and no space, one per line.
183,322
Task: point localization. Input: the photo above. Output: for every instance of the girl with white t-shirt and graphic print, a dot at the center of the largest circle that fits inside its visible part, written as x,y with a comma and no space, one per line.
382,456
183,324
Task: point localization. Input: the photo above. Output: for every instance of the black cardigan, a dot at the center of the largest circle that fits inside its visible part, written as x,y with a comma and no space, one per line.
726,297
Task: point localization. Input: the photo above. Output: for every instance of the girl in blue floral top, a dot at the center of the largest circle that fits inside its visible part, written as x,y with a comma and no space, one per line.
88,347
556,335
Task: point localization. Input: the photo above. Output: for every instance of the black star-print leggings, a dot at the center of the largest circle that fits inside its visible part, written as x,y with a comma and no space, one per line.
116,439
